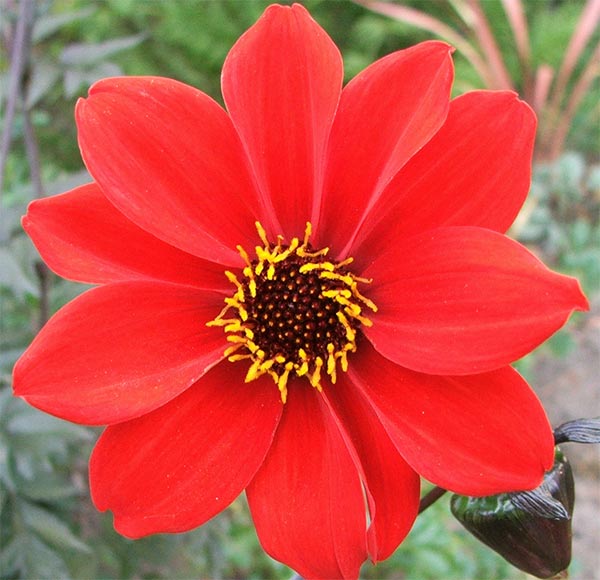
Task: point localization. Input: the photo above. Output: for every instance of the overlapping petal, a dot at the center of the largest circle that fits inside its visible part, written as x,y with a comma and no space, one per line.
386,114
83,237
464,300
475,171
475,435
119,351
306,500
169,158
281,83
173,469
391,485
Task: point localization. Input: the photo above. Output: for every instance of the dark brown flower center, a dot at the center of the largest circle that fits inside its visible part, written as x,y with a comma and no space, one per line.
293,311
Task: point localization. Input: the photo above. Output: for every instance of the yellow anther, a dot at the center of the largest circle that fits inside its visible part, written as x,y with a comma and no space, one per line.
251,346
316,266
282,381
280,257
254,371
335,293
363,319
315,376
304,253
345,278
231,349
350,332
262,234
267,365
244,255
252,287
331,362
233,278
307,233
262,254
235,326
353,309
237,357
344,360
368,303
302,369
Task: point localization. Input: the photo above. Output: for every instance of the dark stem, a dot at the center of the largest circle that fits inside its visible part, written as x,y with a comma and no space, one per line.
430,498
35,173
33,155
18,64
44,277
20,55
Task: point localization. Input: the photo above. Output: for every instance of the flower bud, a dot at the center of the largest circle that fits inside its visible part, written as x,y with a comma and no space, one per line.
532,530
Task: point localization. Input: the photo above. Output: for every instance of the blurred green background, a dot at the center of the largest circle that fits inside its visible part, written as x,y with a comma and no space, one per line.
48,527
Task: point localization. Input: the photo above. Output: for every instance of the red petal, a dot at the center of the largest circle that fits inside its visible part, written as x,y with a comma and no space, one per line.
81,236
119,351
465,300
173,469
168,157
476,435
386,114
281,83
475,171
306,500
392,485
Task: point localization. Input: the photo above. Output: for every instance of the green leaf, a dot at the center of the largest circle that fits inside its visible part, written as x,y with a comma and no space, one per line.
77,78
41,562
11,552
48,25
44,76
50,528
13,277
86,54
30,422
48,488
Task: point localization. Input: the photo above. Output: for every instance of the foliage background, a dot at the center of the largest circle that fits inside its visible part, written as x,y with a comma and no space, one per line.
48,527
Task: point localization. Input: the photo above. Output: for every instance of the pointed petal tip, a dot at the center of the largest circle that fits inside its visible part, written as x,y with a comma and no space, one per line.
578,299
440,45
583,303
531,302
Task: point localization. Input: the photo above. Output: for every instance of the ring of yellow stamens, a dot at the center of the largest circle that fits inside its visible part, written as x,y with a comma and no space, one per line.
293,312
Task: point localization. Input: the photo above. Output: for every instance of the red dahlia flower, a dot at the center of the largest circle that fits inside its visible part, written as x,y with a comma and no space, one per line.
308,296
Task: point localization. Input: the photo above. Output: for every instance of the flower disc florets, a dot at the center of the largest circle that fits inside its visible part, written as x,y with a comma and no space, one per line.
293,311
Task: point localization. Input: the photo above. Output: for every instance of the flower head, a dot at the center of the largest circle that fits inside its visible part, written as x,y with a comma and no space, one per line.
308,296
